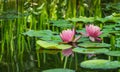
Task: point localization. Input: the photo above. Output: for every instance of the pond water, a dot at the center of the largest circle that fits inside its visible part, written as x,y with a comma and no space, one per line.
28,62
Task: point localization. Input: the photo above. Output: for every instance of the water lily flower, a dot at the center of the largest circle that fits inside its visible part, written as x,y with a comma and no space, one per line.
93,32
67,35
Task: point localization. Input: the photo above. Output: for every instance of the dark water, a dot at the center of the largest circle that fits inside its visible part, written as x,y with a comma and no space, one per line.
28,62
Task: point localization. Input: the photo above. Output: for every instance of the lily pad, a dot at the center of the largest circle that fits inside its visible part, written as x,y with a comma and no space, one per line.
108,31
94,45
117,45
100,64
113,53
61,23
90,51
110,26
82,19
59,70
117,28
40,33
53,38
52,45
100,20
84,39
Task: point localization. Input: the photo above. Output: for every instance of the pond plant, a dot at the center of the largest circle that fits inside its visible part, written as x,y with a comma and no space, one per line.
59,35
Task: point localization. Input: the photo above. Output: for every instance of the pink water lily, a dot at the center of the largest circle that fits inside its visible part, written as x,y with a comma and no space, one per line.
93,32
67,35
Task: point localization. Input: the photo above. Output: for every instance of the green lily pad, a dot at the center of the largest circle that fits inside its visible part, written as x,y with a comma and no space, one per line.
100,64
94,45
61,23
90,51
100,20
46,35
117,28
110,26
117,42
107,32
84,39
82,19
53,38
59,70
47,45
40,33
113,53
117,45
52,45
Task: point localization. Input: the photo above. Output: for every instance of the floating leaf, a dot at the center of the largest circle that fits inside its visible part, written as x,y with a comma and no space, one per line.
40,33
117,42
61,23
117,45
47,45
100,64
82,19
117,28
113,53
59,70
11,14
53,38
56,38
52,45
93,45
110,26
99,20
90,51
84,39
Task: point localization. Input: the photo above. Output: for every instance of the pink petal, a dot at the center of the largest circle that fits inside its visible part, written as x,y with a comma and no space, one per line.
93,31
67,35
98,39
92,39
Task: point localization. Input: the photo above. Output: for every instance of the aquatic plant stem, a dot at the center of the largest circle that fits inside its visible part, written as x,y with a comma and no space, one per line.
61,57
38,59
112,42
65,63
76,61
2,50
70,61
44,57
